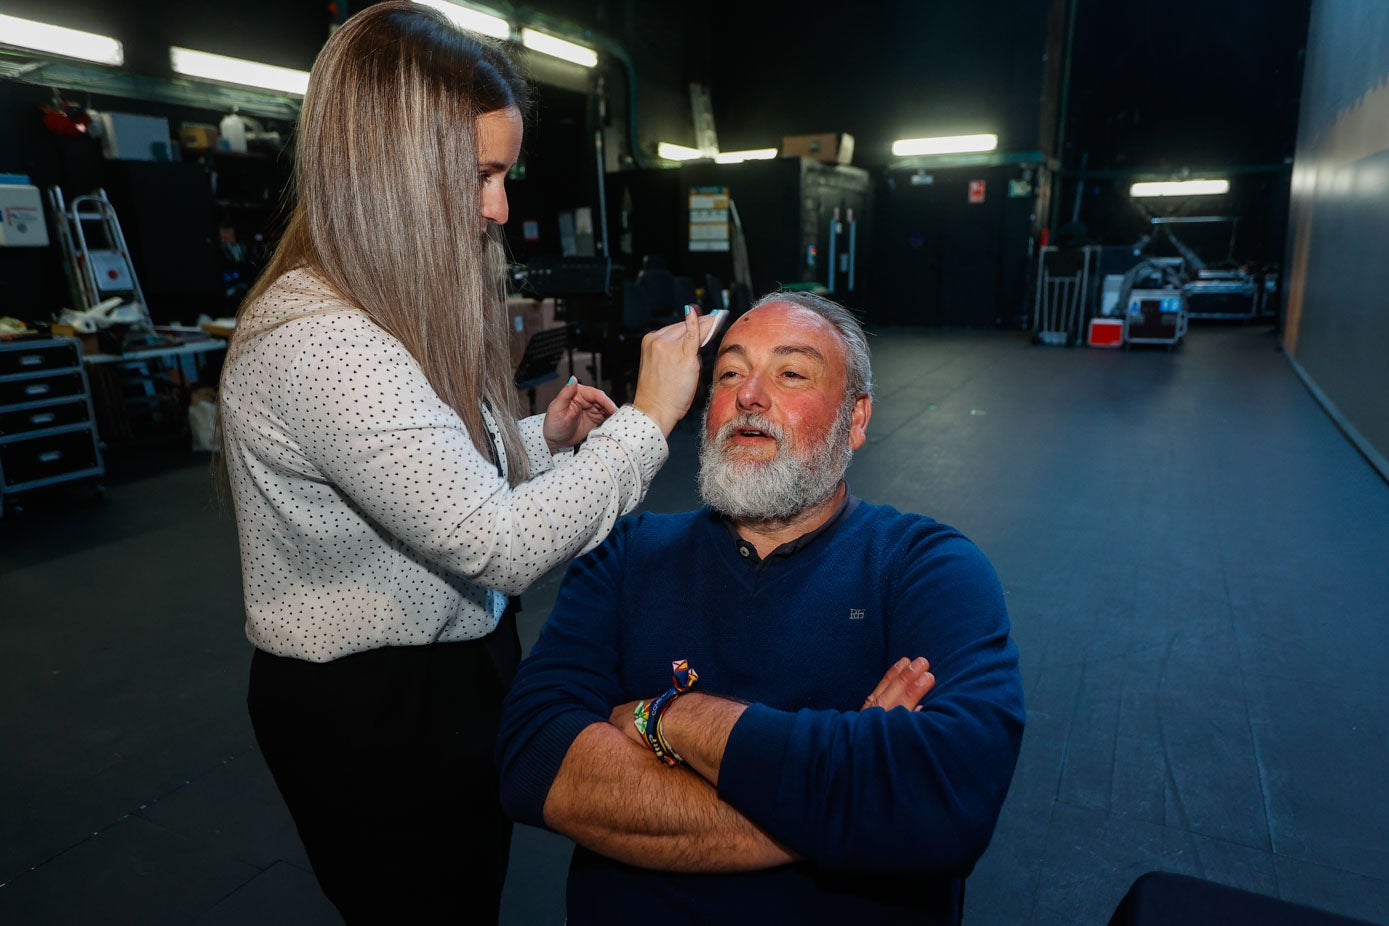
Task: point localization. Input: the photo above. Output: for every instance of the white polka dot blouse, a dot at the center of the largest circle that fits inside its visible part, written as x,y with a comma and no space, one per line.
366,516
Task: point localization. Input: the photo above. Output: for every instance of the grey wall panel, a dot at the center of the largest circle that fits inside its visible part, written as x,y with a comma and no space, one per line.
1337,327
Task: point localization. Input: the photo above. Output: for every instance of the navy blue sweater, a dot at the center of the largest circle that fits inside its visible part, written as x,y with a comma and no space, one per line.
889,809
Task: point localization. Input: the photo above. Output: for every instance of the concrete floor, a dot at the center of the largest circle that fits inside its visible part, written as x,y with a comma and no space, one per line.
1194,559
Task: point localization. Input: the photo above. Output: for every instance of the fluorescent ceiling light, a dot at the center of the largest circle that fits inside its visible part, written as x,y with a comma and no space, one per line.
473,20
944,144
56,40
1180,188
208,66
559,48
677,152
737,157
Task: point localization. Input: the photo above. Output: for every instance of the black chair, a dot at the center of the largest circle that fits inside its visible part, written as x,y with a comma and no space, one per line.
1160,898
685,294
739,300
658,286
540,361
713,293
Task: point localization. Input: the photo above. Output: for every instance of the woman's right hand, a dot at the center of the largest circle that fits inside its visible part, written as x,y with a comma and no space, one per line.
669,373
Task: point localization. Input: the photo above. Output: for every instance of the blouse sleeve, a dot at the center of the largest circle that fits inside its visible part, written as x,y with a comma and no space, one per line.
367,421
537,449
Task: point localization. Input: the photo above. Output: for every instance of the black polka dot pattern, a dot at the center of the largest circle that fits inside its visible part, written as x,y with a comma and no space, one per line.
366,516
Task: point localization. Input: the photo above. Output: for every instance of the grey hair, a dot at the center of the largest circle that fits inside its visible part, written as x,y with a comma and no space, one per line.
859,381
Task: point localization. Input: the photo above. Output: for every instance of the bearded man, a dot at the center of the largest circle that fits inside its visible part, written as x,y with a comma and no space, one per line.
789,705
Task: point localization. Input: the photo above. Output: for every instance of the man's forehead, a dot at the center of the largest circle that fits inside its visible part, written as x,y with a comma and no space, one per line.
789,325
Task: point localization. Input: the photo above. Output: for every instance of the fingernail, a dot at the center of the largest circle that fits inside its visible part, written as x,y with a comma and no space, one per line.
572,381
687,310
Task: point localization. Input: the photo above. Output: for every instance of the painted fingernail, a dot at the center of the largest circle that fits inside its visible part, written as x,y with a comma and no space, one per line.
572,381
687,310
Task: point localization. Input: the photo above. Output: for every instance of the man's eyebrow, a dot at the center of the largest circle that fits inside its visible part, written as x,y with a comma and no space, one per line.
804,350
781,349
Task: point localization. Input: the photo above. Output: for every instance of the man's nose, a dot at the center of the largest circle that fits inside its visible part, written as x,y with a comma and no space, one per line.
495,206
752,394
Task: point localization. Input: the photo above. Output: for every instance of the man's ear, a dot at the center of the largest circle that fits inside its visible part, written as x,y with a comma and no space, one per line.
858,421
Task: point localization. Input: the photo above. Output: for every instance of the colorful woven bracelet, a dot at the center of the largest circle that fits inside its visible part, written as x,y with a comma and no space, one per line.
653,728
683,679
641,714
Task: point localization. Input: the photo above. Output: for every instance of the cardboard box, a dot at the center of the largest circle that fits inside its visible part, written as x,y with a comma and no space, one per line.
131,137
21,216
197,136
87,339
826,147
527,317
1106,332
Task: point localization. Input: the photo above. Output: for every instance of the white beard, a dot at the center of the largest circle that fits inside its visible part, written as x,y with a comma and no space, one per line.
775,490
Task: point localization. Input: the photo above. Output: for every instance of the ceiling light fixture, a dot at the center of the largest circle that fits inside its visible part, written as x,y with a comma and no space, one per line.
737,157
58,40
220,68
558,48
471,19
944,144
1180,188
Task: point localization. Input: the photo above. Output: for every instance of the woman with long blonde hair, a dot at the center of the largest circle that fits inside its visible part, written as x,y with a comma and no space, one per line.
387,500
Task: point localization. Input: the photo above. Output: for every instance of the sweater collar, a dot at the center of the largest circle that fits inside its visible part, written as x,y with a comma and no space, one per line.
748,552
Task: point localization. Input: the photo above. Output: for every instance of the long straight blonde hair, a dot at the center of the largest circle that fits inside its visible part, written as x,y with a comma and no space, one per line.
388,208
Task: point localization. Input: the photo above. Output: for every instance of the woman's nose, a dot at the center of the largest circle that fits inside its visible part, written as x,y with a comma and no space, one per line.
494,204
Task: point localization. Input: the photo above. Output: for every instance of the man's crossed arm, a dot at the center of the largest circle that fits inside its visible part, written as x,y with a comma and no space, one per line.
613,796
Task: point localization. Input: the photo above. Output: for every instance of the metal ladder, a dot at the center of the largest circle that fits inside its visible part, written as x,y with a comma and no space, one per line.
98,265
97,270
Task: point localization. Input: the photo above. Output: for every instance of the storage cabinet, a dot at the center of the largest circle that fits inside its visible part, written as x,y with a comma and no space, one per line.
47,428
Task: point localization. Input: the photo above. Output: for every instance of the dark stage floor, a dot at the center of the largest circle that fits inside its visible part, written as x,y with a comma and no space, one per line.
1195,562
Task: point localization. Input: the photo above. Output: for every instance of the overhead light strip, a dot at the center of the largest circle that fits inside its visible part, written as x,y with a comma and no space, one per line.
1180,188
59,40
558,48
472,19
208,66
944,144
738,157
673,152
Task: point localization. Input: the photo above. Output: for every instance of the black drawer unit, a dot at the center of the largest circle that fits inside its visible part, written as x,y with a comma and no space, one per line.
49,415
47,429
25,388
51,457
36,356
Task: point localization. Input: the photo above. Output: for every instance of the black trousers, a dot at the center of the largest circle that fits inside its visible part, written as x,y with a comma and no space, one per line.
385,759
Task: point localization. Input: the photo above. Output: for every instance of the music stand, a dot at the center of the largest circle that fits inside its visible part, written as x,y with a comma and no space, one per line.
538,363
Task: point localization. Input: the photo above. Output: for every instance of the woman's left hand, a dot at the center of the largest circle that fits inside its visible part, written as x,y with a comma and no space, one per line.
577,410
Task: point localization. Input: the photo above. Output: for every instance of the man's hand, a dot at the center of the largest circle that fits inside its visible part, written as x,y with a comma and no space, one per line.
904,685
577,410
622,718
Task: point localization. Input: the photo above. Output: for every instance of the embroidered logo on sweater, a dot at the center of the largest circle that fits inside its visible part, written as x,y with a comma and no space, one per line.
856,614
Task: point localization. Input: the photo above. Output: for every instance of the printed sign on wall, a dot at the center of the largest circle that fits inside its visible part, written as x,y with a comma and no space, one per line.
709,227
